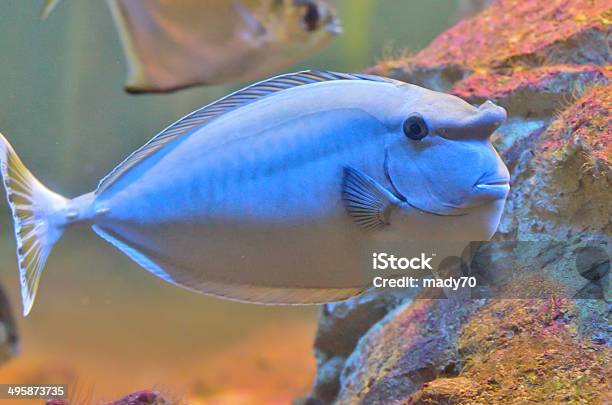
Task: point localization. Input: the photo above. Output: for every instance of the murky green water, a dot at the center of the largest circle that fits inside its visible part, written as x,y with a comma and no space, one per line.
63,108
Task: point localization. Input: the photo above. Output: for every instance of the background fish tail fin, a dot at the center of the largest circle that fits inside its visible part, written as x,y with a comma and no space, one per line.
37,229
50,5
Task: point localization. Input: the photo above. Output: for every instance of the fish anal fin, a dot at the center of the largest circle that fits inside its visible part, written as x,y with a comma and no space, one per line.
232,291
277,295
366,201
134,254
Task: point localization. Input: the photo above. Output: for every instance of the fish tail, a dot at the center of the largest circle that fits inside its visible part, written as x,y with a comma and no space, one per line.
36,213
50,5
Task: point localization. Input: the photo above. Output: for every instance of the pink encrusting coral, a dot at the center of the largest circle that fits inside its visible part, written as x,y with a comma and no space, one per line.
587,124
145,397
510,36
549,81
514,31
511,28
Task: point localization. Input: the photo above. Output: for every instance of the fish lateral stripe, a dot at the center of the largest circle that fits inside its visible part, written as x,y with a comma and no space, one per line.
226,104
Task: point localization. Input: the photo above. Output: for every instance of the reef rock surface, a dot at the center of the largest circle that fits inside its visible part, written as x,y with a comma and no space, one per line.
545,337
145,397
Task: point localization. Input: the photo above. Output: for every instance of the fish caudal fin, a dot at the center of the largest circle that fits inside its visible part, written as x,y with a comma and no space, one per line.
50,5
37,228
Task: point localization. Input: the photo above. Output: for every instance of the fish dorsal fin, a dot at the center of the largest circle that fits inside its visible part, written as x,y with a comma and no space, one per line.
231,102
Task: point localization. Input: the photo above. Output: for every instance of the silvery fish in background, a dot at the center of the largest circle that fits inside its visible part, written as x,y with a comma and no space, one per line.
268,194
9,339
174,44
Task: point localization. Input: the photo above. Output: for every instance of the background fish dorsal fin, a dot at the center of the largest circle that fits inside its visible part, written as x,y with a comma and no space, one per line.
231,102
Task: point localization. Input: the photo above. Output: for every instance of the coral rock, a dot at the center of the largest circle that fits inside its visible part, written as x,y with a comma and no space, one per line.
540,91
548,63
445,391
414,344
341,325
142,398
145,397
510,33
564,186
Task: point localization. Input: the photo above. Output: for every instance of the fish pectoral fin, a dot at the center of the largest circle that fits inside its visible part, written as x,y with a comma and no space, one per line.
367,202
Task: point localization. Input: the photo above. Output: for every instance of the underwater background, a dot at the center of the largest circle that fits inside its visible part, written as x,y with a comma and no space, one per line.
101,323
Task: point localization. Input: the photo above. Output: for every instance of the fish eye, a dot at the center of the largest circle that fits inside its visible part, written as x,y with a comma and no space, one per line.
311,17
415,127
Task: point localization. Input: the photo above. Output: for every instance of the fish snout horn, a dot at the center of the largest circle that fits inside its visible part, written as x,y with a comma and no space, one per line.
490,116
479,122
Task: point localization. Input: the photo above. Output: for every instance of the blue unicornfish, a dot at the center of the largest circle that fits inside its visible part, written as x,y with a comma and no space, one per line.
267,194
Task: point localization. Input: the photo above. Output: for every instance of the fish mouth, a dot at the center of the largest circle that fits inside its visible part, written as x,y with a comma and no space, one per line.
496,184
492,190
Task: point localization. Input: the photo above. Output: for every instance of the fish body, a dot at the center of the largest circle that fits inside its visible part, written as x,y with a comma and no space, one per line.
269,194
173,44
